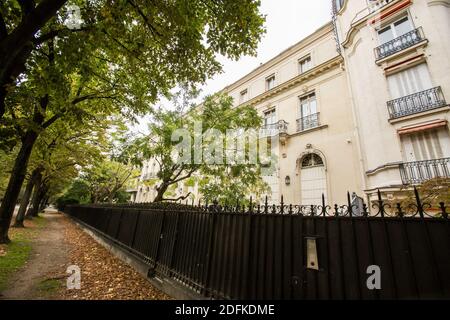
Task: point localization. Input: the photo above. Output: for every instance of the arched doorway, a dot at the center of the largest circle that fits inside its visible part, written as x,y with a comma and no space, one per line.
313,179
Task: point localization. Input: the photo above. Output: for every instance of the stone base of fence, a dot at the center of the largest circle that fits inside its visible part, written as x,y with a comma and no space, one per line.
168,286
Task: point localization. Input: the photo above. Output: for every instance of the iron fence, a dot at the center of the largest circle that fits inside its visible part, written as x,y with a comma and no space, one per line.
286,251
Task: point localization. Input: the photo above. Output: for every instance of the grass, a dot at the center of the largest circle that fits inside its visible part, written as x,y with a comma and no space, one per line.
15,254
49,286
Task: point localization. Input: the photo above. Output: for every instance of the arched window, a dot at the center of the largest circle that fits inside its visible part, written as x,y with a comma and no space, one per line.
311,160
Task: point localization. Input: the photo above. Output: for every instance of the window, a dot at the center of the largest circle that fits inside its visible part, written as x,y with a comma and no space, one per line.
426,145
308,105
305,64
395,30
243,96
270,117
270,82
269,127
311,160
409,81
309,117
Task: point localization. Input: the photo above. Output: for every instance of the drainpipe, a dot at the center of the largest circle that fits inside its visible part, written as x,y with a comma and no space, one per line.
356,120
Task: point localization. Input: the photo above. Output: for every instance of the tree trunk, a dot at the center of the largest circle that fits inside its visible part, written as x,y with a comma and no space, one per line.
39,193
43,204
161,190
26,199
15,184
2,101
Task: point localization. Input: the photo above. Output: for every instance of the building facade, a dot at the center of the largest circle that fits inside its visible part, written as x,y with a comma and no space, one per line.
358,105
397,58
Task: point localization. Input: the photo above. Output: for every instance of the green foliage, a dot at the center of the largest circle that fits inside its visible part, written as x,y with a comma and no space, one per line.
216,112
104,181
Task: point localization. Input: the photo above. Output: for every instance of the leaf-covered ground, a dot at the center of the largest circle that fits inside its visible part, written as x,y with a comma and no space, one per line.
34,265
104,276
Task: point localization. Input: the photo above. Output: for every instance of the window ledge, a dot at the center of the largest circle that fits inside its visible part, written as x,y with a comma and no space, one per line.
308,130
420,114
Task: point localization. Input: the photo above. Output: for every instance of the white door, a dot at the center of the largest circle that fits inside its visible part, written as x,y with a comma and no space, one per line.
313,180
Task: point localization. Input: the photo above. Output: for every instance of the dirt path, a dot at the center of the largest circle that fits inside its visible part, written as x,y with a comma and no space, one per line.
61,243
49,256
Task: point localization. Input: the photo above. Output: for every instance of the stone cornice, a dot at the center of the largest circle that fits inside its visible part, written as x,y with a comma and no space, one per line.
362,22
301,78
302,44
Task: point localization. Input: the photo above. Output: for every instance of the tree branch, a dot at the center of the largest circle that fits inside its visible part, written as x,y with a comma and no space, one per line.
27,6
3,30
57,33
179,198
151,27
50,121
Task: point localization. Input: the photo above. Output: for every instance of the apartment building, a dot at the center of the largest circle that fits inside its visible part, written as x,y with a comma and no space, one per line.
397,58
358,105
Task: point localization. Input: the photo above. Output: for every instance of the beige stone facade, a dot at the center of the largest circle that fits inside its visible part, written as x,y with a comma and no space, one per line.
370,115
397,57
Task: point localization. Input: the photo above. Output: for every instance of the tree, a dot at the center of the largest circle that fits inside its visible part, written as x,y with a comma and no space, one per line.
168,41
108,179
61,71
20,21
216,115
53,163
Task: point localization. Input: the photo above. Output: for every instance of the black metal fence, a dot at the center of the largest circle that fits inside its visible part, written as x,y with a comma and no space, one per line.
286,251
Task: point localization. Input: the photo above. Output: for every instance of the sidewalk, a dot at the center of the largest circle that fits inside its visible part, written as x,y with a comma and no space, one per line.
59,243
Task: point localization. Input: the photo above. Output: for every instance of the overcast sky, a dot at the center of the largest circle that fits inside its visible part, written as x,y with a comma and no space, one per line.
287,22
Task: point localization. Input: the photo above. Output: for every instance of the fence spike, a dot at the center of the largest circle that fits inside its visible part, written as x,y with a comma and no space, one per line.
251,204
349,204
282,205
380,203
419,203
266,208
399,210
443,209
365,211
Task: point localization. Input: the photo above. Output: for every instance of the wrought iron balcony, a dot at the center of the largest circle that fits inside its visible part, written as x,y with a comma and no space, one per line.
308,122
416,103
273,129
398,44
377,5
421,171
149,176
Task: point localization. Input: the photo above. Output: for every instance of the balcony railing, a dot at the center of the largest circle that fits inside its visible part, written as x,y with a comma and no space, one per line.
273,129
377,5
149,176
308,122
421,171
398,44
416,103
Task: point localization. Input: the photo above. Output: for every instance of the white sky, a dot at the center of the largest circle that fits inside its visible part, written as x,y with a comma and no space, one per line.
287,22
